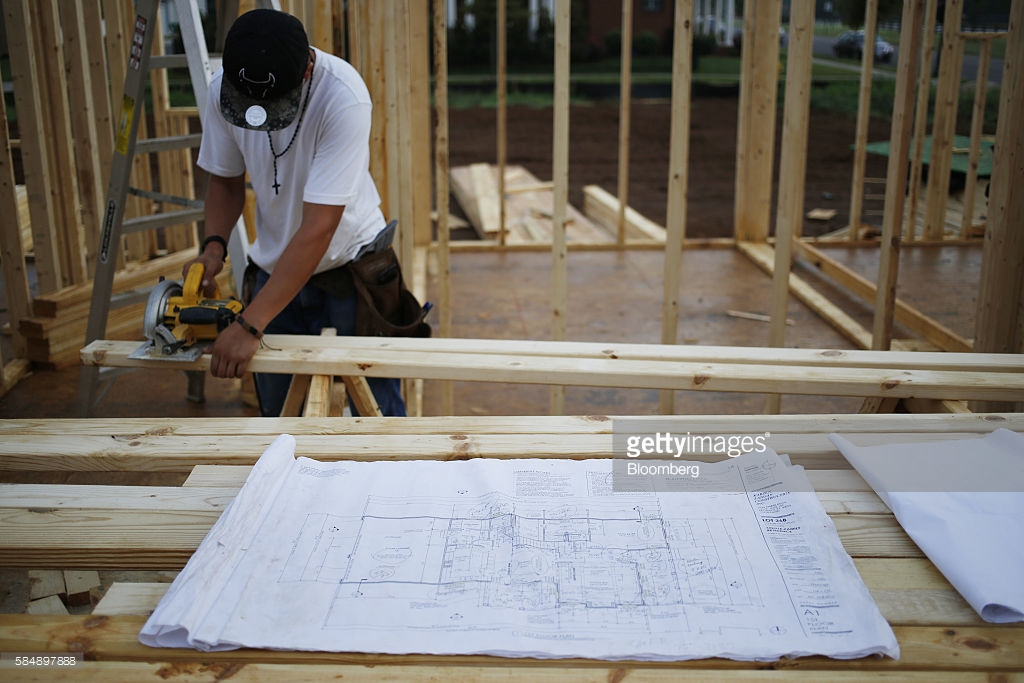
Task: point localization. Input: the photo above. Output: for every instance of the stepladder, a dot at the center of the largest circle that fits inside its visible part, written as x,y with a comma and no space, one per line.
128,149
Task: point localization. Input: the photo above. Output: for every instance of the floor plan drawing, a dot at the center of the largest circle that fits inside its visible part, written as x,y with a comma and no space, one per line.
585,565
521,558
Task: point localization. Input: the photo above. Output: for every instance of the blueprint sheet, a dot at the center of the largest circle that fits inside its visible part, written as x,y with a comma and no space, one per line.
521,558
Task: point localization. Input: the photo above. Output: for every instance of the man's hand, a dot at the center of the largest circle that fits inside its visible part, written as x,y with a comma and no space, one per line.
212,265
232,352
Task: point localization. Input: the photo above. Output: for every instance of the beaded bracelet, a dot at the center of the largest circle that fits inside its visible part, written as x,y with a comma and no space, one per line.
249,328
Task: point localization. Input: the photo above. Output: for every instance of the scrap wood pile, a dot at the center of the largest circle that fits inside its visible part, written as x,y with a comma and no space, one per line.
529,207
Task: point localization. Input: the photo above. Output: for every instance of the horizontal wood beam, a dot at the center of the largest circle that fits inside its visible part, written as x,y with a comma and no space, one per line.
100,538
906,315
317,355
125,430
300,346
933,649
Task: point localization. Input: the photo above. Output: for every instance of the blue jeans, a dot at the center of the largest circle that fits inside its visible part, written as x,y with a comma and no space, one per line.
308,313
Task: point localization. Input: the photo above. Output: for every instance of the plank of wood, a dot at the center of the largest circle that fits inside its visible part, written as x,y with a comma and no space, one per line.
761,255
362,396
42,583
166,538
51,604
127,430
485,190
684,353
579,672
603,208
80,584
908,591
294,354
318,395
175,453
130,598
905,314
932,649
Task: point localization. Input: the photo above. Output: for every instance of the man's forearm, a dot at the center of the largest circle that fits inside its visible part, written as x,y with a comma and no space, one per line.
225,199
297,263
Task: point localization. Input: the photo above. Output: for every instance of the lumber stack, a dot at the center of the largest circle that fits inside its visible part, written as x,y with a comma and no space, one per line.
529,204
126,527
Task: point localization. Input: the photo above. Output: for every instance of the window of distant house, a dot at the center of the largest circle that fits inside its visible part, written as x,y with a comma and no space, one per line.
652,5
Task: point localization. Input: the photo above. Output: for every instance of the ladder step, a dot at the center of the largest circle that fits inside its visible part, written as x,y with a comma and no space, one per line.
166,198
173,61
874,196
150,145
162,220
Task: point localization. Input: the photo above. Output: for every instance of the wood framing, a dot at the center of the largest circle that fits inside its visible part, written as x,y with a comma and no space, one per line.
388,43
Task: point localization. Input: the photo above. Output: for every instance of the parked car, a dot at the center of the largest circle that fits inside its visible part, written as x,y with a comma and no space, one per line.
851,44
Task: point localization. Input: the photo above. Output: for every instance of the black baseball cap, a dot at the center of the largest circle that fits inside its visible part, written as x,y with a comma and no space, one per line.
265,57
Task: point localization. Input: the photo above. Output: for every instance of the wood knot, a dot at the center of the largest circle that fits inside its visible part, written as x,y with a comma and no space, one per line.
700,380
979,644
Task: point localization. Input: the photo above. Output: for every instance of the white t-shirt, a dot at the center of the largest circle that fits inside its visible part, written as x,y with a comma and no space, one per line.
328,163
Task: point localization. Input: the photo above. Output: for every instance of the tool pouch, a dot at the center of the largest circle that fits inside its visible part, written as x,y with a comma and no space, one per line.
384,305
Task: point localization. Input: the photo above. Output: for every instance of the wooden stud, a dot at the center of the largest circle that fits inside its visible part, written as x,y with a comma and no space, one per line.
61,154
441,164
501,133
560,177
679,154
792,170
998,321
924,86
944,127
755,157
625,100
85,136
12,253
977,121
895,190
19,20
863,116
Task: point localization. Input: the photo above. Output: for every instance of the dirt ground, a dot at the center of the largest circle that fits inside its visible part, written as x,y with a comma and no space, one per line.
593,156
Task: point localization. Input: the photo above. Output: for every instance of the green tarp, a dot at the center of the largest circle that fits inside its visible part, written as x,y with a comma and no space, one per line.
961,144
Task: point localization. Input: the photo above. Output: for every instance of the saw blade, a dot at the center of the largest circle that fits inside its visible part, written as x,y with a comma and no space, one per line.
156,307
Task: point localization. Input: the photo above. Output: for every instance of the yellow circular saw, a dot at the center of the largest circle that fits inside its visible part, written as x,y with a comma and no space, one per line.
179,320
